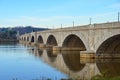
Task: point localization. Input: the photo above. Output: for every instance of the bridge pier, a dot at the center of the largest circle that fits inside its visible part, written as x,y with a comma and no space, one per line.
49,46
32,44
71,49
28,43
58,48
87,54
86,60
23,42
41,46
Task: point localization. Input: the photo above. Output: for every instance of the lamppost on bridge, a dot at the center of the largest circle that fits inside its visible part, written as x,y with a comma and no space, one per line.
90,19
61,26
73,23
118,16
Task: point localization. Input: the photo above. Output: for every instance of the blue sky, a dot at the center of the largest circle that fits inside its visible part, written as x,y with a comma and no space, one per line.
53,13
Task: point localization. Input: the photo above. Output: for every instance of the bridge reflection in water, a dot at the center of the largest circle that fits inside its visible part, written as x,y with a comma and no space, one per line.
69,62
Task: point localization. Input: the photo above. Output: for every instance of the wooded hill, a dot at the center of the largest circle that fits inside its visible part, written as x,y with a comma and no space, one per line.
11,33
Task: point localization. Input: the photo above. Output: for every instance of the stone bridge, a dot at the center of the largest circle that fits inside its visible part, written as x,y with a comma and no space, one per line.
98,40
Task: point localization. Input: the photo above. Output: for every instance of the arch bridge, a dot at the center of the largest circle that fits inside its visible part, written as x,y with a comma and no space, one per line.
94,40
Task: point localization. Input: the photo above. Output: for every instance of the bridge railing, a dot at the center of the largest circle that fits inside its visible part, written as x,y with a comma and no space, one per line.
107,25
82,27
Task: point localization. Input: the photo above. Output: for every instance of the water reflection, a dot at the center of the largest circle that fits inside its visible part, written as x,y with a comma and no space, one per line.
72,60
18,62
40,52
35,51
69,62
110,67
51,55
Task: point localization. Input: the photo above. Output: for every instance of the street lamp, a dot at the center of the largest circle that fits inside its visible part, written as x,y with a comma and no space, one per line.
61,26
73,23
118,16
90,20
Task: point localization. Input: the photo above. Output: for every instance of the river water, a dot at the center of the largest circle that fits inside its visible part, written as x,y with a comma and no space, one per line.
20,62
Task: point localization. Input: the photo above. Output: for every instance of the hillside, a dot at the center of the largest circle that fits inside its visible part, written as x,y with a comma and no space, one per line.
10,34
22,30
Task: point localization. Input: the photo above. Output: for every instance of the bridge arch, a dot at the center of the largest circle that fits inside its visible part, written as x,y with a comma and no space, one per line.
27,38
20,38
24,38
51,40
110,45
73,41
32,39
40,39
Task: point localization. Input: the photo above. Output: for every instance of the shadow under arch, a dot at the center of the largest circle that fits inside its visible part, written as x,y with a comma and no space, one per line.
110,46
40,39
52,57
51,41
72,60
73,41
109,68
32,39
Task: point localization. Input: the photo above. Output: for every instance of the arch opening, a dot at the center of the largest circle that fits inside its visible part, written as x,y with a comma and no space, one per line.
110,46
27,38
74,42
51,41
20,38
24,38
40,39
32,39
